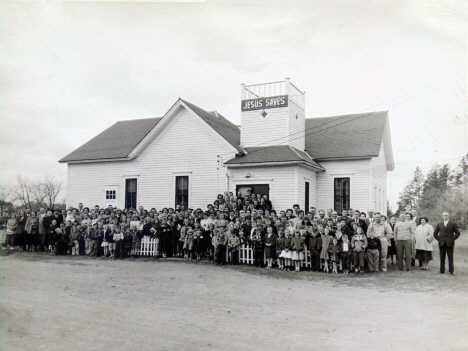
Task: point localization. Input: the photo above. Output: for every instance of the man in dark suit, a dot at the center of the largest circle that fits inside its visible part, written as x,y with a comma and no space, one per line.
446,233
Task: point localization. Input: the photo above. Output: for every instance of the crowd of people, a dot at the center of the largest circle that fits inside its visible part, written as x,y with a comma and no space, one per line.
347,242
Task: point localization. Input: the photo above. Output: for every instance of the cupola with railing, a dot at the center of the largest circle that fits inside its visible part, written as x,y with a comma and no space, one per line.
272,114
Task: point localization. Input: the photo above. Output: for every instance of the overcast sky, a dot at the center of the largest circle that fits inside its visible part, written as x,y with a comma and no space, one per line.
68,70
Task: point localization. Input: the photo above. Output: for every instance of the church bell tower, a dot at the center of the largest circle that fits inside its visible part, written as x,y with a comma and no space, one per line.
272,114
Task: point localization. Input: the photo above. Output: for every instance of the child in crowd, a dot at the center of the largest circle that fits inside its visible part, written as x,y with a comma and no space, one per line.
279,248
105,242
233,246
359,244
326,239
110,239
183,233
222,242
257,244
118,239
286,254
297,246
333,251
188,244
198,241
346,254
374,247
136,242
75,234
315,247
270,247
214,243
127,243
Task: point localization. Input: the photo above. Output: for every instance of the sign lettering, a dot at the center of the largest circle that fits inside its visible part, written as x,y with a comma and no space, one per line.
265,102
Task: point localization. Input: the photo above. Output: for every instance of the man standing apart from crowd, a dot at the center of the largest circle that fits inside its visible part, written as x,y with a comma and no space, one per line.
404,231
381,230
446,233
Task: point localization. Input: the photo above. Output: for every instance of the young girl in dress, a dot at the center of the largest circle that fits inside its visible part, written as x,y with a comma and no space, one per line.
297,245
270,247
334,250
198,241
110,239
279,247
326,238
286,254
188,245
214,243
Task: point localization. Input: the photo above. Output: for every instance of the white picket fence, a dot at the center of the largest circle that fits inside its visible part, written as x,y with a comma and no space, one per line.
149,247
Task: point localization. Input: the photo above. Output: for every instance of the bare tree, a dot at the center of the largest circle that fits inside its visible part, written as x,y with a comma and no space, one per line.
52,189
4,195
22,192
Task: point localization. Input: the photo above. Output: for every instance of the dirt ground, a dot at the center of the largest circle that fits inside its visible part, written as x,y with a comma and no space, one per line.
81,303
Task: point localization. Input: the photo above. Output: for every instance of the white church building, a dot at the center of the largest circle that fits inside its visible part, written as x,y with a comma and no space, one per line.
190,155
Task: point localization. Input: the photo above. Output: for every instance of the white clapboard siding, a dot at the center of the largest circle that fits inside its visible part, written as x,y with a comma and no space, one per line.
282,180
184,147
296,125
357,171
306,174
87,181
258,130
379,181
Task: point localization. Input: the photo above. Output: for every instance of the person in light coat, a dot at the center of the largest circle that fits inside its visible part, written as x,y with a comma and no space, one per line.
424,237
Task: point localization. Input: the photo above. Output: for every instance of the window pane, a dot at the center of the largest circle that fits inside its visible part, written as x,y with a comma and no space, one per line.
181,190
341,192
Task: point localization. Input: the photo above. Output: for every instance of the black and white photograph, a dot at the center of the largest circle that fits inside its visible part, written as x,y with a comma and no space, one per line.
234,175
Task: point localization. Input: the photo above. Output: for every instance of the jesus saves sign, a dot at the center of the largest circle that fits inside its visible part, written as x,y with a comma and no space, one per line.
266,102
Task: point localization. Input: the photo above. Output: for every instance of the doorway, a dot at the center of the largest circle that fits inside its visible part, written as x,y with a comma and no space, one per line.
249,189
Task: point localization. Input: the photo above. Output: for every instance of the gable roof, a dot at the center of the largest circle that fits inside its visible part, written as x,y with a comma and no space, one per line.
345,136
219,123
115,142
120,139
337,137
273,154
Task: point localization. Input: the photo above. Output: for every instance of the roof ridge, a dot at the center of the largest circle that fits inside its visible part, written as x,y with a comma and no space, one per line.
201,108
137,119
348,114
294,150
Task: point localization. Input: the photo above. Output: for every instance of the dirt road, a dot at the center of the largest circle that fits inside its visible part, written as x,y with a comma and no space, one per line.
96,304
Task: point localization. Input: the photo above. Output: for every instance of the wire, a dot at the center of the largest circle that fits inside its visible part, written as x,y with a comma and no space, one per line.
359,116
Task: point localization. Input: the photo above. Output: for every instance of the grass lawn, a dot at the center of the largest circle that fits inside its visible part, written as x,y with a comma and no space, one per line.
81,303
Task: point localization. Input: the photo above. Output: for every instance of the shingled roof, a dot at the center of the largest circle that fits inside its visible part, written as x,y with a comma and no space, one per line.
222,125
273,154
326,138
115,142
118,141
346,136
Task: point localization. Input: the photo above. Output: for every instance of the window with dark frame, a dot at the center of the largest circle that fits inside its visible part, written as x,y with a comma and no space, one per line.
307,196
182,191
342,191
110,194
131,193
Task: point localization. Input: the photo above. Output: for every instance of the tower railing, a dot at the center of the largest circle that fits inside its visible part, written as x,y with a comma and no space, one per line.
285,87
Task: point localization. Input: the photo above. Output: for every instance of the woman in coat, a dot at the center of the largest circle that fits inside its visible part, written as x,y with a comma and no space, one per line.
11,229
424,237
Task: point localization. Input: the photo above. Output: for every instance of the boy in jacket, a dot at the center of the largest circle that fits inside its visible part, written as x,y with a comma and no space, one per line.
374,247
315,247
359,244
346,252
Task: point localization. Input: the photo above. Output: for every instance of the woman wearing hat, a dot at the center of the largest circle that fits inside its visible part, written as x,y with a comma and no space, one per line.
424,238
